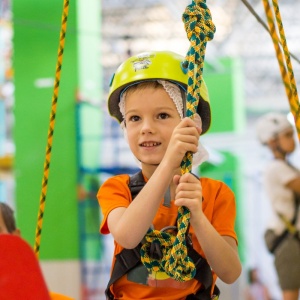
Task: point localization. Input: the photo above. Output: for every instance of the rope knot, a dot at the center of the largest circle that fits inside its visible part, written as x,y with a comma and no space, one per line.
155,249
198,24
200,29
165,252
185,268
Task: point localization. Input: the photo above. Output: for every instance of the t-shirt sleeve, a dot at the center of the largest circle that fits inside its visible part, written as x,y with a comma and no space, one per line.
113,193
282,172
223,208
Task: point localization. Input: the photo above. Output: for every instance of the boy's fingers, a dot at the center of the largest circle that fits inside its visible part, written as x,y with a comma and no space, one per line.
176,179
190,123
189,177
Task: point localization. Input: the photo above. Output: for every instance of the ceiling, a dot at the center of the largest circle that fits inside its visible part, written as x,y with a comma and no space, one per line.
130,26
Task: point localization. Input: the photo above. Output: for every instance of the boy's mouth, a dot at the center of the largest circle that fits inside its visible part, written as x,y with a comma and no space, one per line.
149,144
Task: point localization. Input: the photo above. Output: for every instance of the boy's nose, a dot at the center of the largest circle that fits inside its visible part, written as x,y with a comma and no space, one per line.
147,126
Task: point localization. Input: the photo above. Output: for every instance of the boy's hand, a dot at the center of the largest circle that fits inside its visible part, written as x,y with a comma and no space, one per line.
188,193
184,139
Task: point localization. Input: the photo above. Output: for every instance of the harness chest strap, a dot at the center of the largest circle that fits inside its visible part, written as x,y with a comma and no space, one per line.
290,225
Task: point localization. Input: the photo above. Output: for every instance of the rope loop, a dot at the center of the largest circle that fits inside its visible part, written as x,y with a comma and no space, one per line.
164,241
180,266
173,258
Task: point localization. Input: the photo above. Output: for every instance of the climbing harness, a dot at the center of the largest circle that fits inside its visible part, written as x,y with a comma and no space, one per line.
51,128
176,261
273,240
128,259
284,60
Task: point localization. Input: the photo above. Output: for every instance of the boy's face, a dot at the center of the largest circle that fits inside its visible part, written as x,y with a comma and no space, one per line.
151,117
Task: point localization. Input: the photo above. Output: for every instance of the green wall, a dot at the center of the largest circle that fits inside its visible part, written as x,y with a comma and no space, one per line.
229,171
225,82
36,39
89,132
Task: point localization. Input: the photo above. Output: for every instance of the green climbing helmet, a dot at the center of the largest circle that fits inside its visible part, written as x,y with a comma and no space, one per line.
151,66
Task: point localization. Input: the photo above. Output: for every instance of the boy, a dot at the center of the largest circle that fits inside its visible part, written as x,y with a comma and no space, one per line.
147,96
282,184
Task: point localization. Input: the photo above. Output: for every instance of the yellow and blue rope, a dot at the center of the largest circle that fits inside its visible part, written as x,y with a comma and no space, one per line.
51,128
284,59
175,261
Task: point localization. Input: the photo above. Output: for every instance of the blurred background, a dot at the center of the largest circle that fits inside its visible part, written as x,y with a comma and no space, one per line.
244,81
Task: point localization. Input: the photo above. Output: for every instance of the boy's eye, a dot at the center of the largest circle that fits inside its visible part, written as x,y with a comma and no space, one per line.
163,116
134,118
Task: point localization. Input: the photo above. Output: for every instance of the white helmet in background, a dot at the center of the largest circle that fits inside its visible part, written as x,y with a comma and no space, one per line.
270,125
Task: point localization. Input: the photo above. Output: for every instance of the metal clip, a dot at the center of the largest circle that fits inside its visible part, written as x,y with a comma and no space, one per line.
155,251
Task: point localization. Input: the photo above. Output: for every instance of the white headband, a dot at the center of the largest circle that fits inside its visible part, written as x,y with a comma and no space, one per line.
173,91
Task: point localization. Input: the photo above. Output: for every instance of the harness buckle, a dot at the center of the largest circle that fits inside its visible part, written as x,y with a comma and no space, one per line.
155,251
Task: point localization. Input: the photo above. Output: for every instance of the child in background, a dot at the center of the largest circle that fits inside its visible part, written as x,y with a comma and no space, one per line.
7,220
147,96
256,290
282,184
8,226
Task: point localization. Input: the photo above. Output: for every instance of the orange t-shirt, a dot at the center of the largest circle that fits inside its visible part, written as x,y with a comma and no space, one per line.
218,206
57,296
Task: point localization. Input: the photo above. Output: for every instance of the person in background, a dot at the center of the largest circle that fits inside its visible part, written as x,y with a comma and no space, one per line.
8,226
255,289
282,185
7,220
